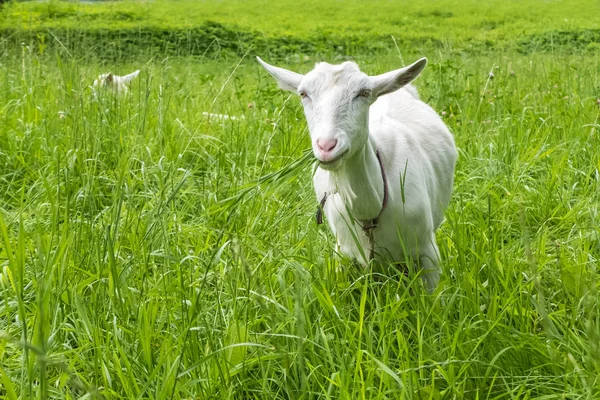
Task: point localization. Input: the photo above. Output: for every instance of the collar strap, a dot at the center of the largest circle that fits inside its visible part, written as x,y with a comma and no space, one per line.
320,209
373,223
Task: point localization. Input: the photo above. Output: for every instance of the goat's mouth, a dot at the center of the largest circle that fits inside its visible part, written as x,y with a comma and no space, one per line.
331,163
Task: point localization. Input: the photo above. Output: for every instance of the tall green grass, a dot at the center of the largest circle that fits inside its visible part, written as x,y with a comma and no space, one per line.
148,251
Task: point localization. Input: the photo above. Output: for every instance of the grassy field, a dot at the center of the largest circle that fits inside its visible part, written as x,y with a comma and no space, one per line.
150,251
145,29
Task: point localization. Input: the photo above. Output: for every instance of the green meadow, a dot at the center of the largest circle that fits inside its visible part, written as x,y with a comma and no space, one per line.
149,250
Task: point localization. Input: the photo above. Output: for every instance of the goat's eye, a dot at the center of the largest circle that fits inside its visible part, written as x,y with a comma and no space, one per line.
364,93
303,94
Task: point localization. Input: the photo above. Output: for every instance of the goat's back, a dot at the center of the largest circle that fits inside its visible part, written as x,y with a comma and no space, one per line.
410,131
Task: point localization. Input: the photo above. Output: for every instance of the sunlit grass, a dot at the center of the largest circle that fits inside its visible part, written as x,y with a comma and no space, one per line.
117,29
463,20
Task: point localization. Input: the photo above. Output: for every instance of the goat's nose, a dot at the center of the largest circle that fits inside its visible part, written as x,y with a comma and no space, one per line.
326,145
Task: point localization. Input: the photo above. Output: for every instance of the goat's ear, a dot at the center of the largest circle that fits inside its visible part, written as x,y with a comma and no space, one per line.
128,78
394,80
109,77
288,80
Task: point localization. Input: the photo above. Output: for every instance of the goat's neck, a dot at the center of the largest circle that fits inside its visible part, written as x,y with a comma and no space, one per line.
360,183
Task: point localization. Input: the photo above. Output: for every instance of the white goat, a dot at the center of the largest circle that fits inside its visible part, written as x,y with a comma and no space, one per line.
115,82
386,161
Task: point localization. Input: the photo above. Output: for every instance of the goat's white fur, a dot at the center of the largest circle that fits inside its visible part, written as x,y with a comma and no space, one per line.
117,83
359,115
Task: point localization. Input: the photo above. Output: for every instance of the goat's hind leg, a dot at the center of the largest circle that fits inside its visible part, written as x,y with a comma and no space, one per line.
429,262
